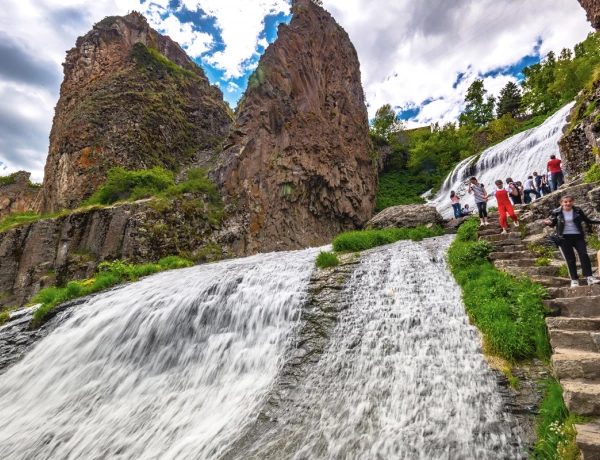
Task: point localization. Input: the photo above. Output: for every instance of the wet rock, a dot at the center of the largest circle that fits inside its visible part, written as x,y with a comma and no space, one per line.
406,216
299,156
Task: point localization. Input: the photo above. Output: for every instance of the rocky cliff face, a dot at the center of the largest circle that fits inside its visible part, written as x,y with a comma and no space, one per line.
18,194
299,158
132,98
592,7
579,147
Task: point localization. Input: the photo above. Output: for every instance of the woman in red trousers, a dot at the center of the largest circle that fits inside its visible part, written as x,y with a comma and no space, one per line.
504,205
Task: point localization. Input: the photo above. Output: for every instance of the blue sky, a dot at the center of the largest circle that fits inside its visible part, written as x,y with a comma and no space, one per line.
419,56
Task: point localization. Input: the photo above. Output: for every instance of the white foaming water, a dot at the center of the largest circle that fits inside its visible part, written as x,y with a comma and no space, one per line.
517,157
170,367
403,376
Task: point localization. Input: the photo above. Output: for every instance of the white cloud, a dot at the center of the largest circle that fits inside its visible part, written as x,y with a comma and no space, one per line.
241,22
413,51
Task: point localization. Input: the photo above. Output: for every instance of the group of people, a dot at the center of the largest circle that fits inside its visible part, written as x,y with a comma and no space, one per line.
568,218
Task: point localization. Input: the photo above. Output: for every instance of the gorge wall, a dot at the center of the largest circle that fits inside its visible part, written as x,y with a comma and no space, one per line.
18,194
592,7
132,98
299,156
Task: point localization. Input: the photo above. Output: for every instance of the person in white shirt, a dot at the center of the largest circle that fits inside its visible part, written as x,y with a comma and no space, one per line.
530,189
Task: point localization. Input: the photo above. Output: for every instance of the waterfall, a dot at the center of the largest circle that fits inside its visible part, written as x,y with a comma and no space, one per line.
170,367
517,157
403,376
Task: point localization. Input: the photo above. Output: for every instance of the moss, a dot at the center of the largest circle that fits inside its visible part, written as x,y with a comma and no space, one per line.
150,59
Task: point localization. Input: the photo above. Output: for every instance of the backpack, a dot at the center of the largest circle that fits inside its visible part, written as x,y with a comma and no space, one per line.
515,191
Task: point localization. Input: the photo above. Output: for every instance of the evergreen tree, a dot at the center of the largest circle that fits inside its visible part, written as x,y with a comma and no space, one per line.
479,111
510,100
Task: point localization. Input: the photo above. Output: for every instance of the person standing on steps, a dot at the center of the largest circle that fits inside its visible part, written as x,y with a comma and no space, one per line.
529,189
480,193
554,168
504,205
513,190
570,237
455,204
545,185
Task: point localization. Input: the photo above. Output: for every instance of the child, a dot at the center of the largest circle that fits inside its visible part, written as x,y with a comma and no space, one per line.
467,211
504,205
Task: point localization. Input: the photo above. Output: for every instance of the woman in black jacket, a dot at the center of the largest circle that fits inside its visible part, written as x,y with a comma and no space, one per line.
568,220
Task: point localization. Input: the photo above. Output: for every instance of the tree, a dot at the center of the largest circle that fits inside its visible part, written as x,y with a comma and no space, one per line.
509,101
386,125
478,111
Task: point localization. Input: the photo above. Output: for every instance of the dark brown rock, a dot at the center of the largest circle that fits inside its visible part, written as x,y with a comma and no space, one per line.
592,7
299,159
411,215
18,194
132,98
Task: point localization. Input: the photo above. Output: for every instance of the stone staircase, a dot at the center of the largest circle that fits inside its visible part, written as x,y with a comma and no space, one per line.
574,327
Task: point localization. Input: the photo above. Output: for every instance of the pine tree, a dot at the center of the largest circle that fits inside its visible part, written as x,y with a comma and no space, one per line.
510,100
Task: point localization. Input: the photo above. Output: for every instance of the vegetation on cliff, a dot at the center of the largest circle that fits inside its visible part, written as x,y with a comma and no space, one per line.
419,160
327,259
507,310
109,274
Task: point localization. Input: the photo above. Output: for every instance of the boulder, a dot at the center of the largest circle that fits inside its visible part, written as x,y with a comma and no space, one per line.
586,197
411,215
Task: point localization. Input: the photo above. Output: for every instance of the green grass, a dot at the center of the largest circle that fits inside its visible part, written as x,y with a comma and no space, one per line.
4,317
21,218
554,426
594,243
8,180
542,262
109,274
545,252
124,185
507,310
563,271
366,239
327,259
593,175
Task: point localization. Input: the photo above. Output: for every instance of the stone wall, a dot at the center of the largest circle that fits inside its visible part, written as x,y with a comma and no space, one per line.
53,251
19,196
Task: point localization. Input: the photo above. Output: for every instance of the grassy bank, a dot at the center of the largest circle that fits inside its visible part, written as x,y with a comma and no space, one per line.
367,239
507,310
109,274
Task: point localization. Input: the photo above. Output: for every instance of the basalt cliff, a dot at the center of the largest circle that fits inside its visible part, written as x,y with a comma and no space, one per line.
131,98
299,157
592,7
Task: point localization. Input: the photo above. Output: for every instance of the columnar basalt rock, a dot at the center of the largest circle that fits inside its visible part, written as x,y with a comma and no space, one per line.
18,194
299,157
132,98
592,7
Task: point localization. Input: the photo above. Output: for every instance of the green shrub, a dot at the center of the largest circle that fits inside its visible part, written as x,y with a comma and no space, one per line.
542,262
366,239
554,426
109,274
468,230
546,252
593,175
508,311
8,180
594,243
327,259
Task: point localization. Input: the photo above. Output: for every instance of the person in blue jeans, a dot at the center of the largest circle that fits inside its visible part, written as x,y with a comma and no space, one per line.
455,204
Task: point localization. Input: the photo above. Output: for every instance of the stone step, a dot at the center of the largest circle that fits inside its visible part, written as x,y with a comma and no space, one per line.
513,255
573,324
575,307
581,398
576,364
551,281
513,236
517,263
575,340
581,291
532,271
495,230
592,254
510,248
588,441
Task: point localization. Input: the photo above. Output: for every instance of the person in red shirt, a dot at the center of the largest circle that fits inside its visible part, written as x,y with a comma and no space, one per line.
504,205
554,168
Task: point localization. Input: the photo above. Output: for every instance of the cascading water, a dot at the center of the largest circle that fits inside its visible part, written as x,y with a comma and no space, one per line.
403,376
517,157
170,367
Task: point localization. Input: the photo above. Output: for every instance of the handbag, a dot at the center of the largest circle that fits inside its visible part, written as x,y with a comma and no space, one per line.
555,240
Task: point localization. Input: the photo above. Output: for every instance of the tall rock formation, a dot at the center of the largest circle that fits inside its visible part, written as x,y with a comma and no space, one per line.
18,194
299,157
132,98
592,7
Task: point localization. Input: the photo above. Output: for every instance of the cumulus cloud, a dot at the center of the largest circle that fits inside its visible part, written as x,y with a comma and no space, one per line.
413,52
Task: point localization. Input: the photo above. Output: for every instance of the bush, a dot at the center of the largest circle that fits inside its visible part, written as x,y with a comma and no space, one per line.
366,239
468,230
508,311
327,259
593,175
554,426
8,180
109,274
